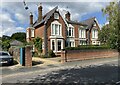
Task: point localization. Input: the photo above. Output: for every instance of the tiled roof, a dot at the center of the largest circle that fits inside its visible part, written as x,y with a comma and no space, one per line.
89,22
15,43
45,17
75,22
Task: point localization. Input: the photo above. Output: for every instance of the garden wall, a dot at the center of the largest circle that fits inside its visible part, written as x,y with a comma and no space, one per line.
72,55
25,59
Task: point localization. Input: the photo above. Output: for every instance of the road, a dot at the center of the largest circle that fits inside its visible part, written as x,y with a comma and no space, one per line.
59,72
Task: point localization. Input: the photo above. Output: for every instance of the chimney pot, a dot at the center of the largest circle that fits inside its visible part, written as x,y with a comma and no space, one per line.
40,12
31,19
67,16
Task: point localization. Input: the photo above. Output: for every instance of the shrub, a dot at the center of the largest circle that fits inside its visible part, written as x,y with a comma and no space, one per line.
35,54
51,54
88,47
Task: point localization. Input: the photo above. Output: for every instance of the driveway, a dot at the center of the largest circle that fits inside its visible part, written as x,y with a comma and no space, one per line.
23,74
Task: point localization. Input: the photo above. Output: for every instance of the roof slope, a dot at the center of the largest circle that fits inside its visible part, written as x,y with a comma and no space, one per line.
15,43
45,17
75,22
89,22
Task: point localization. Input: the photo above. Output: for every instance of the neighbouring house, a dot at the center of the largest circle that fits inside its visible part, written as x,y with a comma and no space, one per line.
58,32
16,43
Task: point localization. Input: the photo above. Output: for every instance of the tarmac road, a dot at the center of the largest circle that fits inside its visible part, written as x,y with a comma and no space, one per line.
85,71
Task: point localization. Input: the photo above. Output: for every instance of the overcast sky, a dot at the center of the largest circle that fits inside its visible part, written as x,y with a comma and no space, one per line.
14,18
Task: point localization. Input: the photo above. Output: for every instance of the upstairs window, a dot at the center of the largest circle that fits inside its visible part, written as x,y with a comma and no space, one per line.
56,16
70,32
56,28
82,33
32,33
94,33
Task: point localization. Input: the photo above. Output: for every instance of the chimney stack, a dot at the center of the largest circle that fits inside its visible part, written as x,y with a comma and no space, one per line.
67,16
40,12
31,19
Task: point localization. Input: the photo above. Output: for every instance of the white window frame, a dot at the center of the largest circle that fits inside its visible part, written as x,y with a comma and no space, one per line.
82,42
57,31
32,33
56,16
82,33
27,34
56,44
72,31
61,44
94,33
72,43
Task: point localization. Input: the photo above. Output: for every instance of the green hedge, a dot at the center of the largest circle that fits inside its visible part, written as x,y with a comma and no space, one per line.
88,47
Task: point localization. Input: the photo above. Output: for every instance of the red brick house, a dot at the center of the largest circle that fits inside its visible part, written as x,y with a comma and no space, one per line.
58,32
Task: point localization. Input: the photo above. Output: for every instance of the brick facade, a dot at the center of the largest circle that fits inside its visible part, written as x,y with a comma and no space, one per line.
45,23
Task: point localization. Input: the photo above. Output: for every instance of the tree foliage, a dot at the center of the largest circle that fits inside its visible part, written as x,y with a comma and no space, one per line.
5,40
20,36
38,44
5,45
104,35
112,11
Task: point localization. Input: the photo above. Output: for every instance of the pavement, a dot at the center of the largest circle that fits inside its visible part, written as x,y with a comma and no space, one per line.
17,73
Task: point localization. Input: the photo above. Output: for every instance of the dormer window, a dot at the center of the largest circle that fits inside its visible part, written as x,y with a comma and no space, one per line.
56,16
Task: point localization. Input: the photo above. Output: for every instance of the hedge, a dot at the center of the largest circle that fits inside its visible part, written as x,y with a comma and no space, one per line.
87,47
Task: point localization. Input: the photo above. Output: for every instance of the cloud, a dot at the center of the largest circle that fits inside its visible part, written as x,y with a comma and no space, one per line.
10,30
15,18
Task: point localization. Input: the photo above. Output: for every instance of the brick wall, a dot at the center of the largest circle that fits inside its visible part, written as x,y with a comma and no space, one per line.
28,56
72,55
15,52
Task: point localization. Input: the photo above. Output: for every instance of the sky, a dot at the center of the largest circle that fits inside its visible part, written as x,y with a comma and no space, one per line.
14,18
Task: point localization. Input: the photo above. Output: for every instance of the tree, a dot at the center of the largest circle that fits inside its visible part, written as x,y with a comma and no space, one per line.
104,35
5,45
20,36
38,44
112,11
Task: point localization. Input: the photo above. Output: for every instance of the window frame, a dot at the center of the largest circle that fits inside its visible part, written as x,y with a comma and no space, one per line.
94,33
70,31
32,33
56,16
56,31
56,45
82,32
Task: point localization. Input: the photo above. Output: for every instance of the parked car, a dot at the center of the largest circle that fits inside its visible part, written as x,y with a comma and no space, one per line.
5,58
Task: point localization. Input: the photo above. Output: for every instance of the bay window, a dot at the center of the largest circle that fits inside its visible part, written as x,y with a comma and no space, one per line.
70,44
82,33
56,44
56,28
70,32
94,33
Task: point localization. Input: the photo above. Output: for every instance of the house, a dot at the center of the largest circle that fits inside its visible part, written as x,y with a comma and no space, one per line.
58,32
16,43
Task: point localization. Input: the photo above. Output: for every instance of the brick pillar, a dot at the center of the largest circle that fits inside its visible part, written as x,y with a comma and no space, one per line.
63,57
28,56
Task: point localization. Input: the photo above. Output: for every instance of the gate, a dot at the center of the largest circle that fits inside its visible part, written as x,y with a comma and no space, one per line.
22,56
